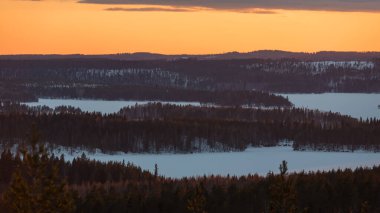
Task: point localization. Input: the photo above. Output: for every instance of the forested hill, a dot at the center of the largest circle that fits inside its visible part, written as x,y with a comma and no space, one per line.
167,128
183,79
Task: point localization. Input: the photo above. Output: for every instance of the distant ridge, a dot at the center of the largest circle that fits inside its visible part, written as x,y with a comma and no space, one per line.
260,54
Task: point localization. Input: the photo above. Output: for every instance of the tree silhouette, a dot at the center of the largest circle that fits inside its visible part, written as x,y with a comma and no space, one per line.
282,191
155,170
36,185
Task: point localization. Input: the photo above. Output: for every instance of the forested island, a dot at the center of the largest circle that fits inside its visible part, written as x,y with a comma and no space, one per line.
156,128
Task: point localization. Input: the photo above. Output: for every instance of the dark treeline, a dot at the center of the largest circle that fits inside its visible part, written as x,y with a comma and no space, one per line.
145,93
116,187
157,128
77,172
159,111
118,79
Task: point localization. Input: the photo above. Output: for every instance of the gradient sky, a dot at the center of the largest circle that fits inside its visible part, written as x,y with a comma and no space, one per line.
186,26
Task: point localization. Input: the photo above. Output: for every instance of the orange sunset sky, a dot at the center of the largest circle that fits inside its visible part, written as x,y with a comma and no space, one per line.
66,26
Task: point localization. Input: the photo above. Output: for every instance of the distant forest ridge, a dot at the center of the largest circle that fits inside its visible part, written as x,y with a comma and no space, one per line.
223,82
183,80
260,54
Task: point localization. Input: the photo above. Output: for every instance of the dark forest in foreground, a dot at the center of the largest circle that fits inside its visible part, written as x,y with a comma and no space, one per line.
44,183
170,128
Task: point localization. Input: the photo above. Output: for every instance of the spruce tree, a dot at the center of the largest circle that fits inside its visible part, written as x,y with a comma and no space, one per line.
282,191
36,186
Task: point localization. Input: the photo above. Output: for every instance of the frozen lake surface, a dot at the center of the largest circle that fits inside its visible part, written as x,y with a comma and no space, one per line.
252,160
102,106
354,104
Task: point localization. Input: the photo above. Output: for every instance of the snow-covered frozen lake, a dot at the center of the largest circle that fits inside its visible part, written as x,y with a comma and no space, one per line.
354,104
252,160
357,105
102,106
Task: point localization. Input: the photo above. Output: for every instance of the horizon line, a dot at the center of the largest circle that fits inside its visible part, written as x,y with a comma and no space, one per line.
188,54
